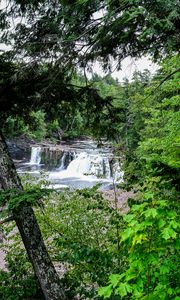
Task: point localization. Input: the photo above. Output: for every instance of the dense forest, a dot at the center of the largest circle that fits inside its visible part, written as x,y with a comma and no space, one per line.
80,244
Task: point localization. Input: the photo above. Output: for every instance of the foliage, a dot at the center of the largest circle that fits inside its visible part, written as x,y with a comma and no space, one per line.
35,83
80,227
17,125
51,45
152,237
37,125
152,133
152,225
160,137
80,231
19,282
14,198
134,28
102,111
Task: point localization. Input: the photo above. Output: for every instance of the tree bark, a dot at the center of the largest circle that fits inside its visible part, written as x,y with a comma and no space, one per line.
30,232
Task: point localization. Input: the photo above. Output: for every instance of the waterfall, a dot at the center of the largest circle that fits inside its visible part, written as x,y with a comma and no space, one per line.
118,173
106,167
80,165
35,156
85,164
62,162
74,165
96,165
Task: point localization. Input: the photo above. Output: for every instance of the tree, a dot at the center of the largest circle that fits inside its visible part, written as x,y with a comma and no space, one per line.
29,230
82,31
65,34
25,87
159,145
19,92
151,227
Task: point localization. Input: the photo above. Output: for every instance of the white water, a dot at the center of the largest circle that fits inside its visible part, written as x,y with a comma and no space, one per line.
87,167
80,165
62,161
75,169
118,174
35,156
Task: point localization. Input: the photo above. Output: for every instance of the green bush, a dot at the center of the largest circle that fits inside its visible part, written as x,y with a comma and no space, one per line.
151,237
15,126
80,229
37,126
19,281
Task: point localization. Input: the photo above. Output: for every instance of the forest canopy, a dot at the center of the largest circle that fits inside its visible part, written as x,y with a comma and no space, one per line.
44,90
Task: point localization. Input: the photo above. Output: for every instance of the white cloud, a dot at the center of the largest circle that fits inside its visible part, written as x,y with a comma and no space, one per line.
128,67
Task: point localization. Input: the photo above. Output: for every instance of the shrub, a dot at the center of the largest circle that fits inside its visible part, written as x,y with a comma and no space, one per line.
80,228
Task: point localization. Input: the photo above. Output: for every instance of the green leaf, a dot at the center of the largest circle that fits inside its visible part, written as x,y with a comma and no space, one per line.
138,239
123,289
170,291
168,233
174,224
128,218
164,269
161,223
105,291
130,276
148,195
151,212
127,234
115,278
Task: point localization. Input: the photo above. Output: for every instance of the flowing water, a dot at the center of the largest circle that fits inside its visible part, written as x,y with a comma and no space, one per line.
35,156
77,165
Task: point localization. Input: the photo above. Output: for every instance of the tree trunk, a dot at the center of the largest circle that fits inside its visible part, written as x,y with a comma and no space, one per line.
30,232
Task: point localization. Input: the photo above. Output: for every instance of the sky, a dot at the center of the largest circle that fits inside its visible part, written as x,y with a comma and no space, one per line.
129,66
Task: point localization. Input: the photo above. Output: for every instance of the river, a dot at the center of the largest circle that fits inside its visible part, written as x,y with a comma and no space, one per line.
78,164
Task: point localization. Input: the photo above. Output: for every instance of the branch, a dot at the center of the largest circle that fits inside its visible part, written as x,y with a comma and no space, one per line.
167,77
10,218
162,81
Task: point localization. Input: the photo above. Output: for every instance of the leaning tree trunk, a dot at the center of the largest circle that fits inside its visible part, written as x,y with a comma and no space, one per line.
30,232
